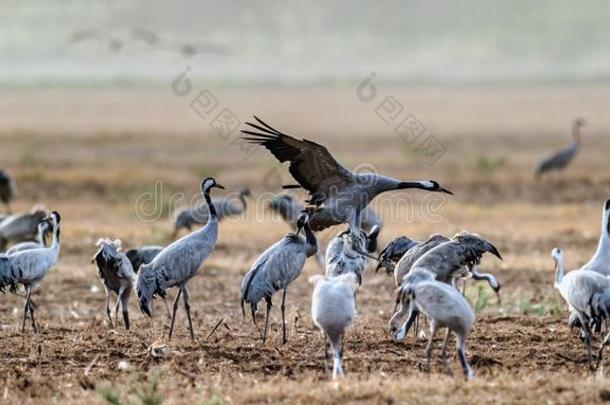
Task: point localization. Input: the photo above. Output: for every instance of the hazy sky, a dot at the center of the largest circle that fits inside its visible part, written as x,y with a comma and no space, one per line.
306,41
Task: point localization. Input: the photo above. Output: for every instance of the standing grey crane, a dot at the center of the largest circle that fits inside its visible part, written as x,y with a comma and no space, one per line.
337,195
198,215
344,253
290,209
333,309
447,261
21,227
178,263
445,307
7,189
142,255
559,160
117,275
43,229
29,267
275,269
600,262
587,293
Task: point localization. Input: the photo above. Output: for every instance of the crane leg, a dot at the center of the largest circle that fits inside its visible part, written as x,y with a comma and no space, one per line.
461,349
601,349
26,308
108,313
32,315
171,326
433,329
269,304
587,337
116,306
283,308
187,308
125,307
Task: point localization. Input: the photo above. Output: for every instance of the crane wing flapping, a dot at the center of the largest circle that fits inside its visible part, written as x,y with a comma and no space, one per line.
311,164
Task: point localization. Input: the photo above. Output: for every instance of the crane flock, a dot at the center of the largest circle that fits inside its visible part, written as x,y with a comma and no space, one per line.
426,273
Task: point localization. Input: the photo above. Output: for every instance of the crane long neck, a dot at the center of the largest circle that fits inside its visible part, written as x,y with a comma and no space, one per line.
56,233
212,209
559,274
244,203
576,133
40,237
310,238
603,246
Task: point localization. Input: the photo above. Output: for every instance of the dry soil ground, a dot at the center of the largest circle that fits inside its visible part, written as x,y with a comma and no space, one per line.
113,161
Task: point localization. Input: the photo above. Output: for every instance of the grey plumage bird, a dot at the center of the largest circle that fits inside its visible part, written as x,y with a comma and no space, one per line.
333,309
178,263
289,209
344,253
21,227
448,260
336,195
41,240
587,293
393,252
417,250
8,189
276,269
559,160
29,267
6,275
142,255
444,307
199,214
117,275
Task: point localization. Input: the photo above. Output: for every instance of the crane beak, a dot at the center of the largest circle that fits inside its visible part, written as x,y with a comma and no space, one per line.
220,186
497,291
444,190
378,267
494,251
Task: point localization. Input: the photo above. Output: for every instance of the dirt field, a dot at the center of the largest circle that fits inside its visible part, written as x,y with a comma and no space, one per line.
113,161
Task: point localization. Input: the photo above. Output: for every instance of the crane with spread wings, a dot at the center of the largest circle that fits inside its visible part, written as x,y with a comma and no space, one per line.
336,195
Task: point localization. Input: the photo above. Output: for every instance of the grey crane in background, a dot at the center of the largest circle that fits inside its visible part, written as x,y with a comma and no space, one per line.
333,309
117,275
336,195
225,207
344,253
21,227
444,307
276,269
41,240
29,267
447,261
559,160
7,189
178,263
587,293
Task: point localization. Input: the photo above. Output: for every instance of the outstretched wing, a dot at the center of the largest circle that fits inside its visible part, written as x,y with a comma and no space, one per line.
311,164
